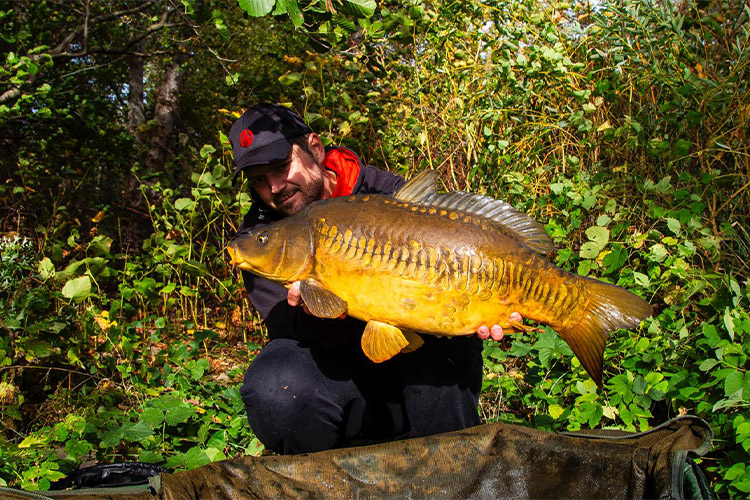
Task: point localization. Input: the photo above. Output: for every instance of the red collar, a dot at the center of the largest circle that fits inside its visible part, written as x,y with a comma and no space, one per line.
345,164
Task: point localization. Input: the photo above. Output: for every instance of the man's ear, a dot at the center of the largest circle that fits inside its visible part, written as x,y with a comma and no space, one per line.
316,147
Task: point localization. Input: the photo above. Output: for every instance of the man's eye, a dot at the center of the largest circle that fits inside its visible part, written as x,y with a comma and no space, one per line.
256,181
262,239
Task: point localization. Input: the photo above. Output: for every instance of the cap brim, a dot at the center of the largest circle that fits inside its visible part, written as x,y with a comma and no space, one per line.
275,152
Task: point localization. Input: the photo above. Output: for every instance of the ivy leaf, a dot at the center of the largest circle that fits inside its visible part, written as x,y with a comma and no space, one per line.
257,8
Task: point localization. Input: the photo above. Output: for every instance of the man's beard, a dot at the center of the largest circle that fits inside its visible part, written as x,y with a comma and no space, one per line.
309,193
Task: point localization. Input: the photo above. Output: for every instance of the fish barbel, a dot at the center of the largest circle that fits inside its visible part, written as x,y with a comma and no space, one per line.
422,262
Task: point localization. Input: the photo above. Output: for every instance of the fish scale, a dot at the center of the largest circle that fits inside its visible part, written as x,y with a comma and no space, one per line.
437,264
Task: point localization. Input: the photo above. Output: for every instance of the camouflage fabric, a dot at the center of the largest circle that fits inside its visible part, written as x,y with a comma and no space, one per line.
489,461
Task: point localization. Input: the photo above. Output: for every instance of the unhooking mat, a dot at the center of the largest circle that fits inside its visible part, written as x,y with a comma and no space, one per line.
489,461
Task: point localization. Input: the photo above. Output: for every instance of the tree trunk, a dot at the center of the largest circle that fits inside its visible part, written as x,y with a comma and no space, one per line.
165,114
136,117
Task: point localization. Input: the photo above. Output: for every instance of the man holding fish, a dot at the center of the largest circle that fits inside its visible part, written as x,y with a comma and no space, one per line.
311,387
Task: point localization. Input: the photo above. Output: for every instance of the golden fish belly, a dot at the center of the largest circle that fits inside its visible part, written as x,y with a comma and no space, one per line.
434,273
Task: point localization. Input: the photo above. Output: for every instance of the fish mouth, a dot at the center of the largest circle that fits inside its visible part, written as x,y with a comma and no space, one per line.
235,259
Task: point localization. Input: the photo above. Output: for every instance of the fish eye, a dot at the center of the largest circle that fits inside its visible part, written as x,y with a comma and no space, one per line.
262,238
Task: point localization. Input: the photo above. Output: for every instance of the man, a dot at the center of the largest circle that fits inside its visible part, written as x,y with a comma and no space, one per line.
311,388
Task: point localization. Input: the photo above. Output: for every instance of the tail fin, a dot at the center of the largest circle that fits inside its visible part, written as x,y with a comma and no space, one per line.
609,308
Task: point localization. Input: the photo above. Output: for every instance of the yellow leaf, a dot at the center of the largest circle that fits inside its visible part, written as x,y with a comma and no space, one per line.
610,412
604,126
98,217
234,114
102,319
556,410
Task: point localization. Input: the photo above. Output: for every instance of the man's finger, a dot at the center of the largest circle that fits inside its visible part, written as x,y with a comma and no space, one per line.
483,332
293,296
496,332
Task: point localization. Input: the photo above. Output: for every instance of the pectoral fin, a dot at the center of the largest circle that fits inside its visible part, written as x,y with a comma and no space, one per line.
415,341
381,341
321,302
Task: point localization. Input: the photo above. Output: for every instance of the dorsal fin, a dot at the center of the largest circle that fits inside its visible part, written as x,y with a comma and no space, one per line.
422,190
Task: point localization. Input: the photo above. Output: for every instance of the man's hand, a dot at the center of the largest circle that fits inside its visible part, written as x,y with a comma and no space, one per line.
294,299
496,332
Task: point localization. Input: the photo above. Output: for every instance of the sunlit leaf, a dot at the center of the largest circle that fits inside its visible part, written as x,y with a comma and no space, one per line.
77,288
257,8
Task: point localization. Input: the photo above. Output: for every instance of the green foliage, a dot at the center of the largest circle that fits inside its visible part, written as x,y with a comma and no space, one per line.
621,126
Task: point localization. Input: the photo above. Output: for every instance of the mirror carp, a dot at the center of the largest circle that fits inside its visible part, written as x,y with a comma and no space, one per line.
423,262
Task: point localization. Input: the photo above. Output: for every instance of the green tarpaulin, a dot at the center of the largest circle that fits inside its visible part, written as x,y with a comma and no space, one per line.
489,461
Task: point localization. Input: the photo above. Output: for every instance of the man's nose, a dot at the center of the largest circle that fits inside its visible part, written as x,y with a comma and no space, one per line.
276,183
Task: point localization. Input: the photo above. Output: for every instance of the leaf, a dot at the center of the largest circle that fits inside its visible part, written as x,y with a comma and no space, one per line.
362,8
257,8
589,250
615,259
134,432
519,349
76,447
682,148
598,235
46,268
179,414
556,411
214,454
39,348
610,412
77,288
733,382
642,279
639,385
290,78
707,364
32,441
183,204
673,225
290,7
153,417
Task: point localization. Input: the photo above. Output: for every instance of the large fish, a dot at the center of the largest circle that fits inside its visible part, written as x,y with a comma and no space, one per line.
421,262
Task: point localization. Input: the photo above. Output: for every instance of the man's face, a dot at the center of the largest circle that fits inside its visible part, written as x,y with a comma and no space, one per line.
291,185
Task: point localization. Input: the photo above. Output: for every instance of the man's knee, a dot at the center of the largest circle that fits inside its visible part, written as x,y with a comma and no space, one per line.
288,404
276,384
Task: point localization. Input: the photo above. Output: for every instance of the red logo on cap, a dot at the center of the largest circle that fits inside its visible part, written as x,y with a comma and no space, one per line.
246,138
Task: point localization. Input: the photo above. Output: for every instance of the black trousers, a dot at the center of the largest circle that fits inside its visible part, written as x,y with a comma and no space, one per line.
301,399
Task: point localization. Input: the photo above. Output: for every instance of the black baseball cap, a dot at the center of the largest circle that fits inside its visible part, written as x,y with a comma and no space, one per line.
263,134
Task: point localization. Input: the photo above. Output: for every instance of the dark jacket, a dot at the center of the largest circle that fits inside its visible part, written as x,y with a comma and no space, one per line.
284,321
